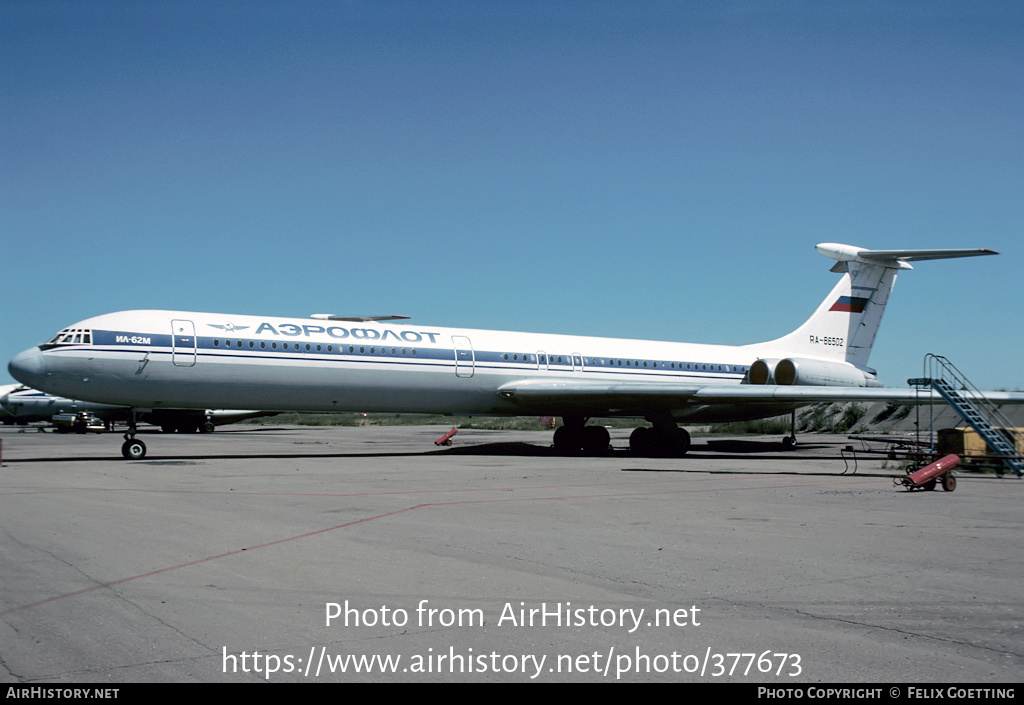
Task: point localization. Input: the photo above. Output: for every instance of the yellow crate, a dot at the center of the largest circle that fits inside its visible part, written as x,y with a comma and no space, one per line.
966,443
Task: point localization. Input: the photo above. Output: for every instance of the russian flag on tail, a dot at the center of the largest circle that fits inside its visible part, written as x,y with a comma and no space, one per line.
850,304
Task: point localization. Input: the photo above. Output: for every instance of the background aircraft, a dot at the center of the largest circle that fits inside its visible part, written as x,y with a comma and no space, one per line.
23,405
6,417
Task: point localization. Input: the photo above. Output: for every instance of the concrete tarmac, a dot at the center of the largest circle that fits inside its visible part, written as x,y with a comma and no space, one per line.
295,554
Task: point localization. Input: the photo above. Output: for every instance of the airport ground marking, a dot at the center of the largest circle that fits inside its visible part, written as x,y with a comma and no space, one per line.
424,505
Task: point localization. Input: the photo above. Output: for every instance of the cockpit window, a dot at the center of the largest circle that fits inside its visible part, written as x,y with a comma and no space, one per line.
70,336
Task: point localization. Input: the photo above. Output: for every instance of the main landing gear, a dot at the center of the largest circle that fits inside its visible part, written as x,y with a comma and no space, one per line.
575,437
790,441
664,440
133,449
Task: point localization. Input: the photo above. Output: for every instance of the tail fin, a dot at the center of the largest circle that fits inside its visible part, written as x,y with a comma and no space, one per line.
844,326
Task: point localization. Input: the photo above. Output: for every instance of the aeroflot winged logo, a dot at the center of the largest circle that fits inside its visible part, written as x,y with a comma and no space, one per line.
850,304
295,330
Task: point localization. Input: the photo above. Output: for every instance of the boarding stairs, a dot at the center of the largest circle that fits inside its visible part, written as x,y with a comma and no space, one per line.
978,412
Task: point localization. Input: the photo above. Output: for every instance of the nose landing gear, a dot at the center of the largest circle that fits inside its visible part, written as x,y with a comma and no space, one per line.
132,449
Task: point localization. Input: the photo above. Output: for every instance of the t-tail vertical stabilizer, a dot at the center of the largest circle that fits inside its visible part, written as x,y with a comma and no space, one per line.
843,327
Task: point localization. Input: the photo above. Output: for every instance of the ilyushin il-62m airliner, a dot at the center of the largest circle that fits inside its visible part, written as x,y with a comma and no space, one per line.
150,360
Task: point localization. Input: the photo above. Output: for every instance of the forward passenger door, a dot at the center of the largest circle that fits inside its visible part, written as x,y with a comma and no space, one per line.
183,343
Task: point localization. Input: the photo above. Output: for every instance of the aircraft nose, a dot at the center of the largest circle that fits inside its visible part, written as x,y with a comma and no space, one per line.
28,367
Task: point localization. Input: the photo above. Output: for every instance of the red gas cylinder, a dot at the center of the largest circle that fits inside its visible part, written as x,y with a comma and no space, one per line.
446,439
934,470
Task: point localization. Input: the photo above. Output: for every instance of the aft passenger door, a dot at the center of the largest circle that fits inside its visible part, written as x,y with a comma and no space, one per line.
183,343
464,357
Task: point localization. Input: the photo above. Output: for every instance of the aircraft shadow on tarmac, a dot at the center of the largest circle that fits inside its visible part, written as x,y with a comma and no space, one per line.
701,449
718,447
711,449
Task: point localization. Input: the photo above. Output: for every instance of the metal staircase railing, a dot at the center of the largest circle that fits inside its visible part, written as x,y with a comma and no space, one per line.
980,414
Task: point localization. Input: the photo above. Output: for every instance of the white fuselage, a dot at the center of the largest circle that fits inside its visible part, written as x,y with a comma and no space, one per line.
168,359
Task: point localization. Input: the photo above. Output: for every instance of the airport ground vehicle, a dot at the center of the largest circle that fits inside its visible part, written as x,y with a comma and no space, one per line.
79,422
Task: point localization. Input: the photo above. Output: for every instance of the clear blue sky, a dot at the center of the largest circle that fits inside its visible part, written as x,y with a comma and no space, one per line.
637,169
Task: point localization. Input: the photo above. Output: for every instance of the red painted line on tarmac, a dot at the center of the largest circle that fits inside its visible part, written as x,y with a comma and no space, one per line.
408,509
204,560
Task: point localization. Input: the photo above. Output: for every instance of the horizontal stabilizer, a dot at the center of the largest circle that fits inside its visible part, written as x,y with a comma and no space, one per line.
892,258
911,255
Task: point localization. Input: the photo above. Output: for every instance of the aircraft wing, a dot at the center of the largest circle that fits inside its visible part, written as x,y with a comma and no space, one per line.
738,394
356,319
673,395
534,392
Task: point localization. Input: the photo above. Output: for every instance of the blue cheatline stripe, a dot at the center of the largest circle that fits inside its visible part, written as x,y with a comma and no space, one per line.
211,348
